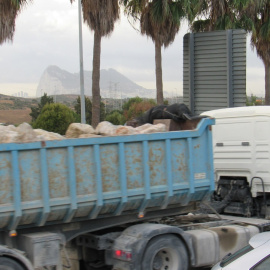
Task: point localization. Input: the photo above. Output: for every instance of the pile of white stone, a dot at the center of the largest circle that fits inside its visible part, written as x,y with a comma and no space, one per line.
24,133
105,128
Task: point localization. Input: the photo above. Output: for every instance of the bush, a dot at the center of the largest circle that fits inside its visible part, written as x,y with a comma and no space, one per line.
55,117
36,110
116,118
88,110
136,109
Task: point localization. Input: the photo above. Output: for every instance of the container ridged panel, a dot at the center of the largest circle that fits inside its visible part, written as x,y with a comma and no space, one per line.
186,70
239,67
218,71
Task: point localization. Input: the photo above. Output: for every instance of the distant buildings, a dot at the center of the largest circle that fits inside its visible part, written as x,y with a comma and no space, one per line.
21,94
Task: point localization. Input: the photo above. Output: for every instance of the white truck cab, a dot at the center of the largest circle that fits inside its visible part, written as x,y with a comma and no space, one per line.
241,144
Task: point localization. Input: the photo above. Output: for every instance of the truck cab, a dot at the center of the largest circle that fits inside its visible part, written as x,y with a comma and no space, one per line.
241,145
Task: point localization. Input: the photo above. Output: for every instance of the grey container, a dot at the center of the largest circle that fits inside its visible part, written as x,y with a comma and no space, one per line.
42,249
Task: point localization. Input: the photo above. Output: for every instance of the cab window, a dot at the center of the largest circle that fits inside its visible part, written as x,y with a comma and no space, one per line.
232,257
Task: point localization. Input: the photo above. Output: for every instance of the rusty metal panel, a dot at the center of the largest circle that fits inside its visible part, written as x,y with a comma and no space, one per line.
82,179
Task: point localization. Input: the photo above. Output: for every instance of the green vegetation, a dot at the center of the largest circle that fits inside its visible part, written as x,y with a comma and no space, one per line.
55,118
133,108
37,109
88,110
254,101
136,107
115,111
116,117
15,103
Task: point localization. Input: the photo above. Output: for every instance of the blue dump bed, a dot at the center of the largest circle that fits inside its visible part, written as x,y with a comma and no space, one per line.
82,179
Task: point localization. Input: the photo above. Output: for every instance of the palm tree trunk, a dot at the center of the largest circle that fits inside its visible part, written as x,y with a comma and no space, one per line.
159,83
267,83
96,80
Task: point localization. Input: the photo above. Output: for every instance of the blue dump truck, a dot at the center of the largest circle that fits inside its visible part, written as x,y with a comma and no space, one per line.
119,202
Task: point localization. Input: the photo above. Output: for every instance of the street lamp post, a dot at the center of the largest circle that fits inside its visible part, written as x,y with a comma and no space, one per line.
81,64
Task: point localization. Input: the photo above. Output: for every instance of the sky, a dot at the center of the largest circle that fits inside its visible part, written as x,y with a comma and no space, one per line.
47,34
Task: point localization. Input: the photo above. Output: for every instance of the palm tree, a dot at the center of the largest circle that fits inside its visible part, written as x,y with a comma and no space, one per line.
160,20
213,15
9,9
259,13
100,16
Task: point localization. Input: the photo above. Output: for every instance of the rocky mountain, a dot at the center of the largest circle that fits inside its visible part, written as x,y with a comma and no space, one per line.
55,81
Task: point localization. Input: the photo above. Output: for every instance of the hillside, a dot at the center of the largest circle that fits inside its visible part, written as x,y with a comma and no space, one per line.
18,103
113,84
15,117
16,110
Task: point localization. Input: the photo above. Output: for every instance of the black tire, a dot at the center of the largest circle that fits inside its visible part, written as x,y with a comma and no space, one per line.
166,252
9,264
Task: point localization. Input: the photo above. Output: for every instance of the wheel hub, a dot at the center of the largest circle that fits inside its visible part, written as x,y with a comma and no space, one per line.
162,261
157,263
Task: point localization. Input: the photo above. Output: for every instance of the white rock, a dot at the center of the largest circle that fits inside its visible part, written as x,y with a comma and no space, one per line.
106,128
25,133
154,129
143,127
43,135
126,130
76,129
7,136
11,128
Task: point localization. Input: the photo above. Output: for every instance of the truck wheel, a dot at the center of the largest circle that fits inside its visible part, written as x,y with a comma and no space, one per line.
9,264
165,252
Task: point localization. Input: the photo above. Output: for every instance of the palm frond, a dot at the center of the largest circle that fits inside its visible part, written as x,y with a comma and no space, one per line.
100,15
200,25
133,8
9,10
8,13
161,20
